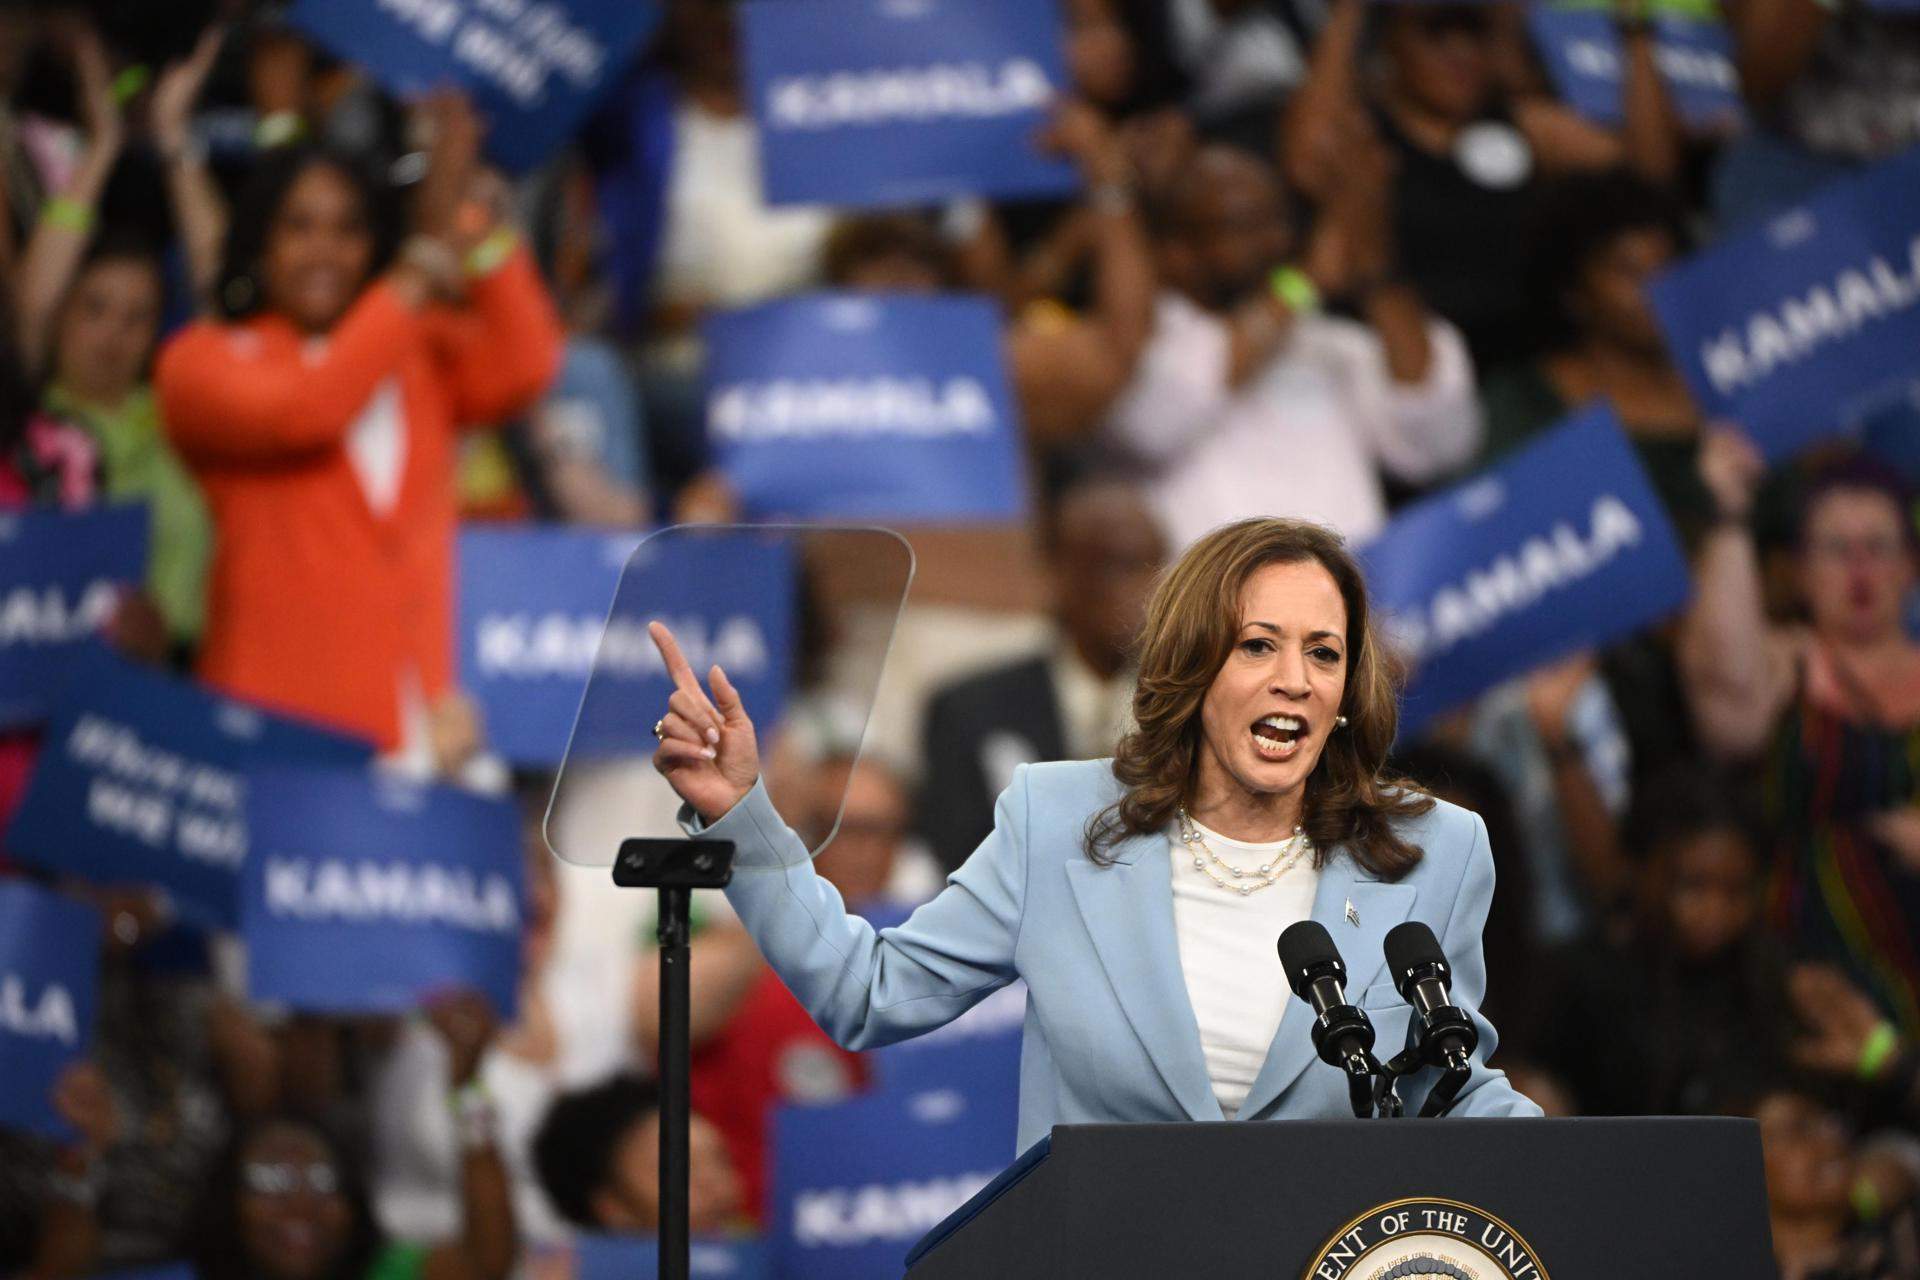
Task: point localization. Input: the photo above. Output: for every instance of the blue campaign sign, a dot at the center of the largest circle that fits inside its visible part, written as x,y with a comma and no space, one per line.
49,978
1582,51
143,780
855,1184
533,67
1564,546
533,604
61,575
601,1257
1806,325
730,596
876,103
368,893
866,407
977,1053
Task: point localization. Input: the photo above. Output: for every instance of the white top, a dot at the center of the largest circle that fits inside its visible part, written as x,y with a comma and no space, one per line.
1228,957
1305,437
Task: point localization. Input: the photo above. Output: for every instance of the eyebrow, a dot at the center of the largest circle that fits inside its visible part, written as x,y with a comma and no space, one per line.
1311,635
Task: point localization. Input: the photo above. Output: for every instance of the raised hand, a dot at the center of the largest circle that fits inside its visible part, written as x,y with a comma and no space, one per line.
171,112
707,750
99,106
466,1022
1731,467
453,155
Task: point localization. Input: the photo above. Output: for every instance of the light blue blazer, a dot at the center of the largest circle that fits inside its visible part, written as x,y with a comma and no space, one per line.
1110,1034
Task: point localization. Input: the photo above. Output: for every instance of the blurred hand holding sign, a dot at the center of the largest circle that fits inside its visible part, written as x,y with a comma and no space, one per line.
1561,547
534,68
142,779
49,977
62,575
367,893
1807,324
865,407
874,103
1693,49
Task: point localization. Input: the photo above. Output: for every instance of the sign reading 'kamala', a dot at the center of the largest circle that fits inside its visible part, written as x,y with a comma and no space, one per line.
49,971
1804,326
61,576
1561,547
865,406
367,894
874,102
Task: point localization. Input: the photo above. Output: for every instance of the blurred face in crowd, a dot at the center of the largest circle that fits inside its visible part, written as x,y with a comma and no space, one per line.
895,271
630,1202
1441,58
701,41
294,1215
1856,564
107,329
1610,299
1107,549
1235,229
1709,886
1099,52
1271,706
859,860
319,250
1809,1164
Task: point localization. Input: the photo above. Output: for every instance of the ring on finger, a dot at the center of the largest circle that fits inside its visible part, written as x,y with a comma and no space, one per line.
660,728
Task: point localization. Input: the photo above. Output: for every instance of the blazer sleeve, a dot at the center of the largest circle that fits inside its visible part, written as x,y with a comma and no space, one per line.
227,398
1487,1092
868,988
502,350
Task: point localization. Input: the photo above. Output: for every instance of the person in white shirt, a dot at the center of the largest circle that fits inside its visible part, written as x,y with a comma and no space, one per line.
1249,399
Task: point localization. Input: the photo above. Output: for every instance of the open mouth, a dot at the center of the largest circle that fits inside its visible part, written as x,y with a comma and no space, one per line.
1277,737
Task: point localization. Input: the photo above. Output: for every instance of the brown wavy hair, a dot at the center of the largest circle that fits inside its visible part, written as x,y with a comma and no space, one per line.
1192,623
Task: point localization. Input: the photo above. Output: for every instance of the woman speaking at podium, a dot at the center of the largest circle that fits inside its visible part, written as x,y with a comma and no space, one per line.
1140,897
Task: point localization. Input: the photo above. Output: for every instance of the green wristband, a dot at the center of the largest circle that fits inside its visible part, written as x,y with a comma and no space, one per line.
1296,290
1865,1198
1882,1043
490,254
68,214
129,83
279,129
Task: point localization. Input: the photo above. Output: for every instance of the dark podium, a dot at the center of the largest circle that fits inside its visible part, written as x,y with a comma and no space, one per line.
1546,1199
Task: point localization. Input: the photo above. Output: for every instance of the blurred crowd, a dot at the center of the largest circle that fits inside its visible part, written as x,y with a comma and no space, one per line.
1329,255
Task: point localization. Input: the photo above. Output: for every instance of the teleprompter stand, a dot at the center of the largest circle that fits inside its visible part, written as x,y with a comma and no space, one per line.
675,868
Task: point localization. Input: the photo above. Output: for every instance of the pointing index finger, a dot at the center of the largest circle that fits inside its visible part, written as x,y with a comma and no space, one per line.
677,666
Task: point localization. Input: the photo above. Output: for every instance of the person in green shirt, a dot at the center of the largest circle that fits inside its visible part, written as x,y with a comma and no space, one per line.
88,311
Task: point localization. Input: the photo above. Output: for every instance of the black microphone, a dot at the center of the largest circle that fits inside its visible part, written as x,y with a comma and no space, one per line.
1442,1033
1342,1033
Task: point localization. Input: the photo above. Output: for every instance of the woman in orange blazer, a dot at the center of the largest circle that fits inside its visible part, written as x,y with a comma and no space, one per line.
320,415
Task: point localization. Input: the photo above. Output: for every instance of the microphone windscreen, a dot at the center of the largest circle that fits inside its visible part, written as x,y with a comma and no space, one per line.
1411,946
1306,949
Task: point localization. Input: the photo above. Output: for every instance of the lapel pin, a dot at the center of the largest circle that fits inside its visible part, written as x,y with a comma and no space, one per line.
1353,917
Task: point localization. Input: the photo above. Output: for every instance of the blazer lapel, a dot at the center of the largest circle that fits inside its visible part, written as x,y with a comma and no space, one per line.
1377,907
1128,911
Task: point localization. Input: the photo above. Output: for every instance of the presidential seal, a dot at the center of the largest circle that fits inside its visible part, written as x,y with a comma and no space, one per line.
1426,1239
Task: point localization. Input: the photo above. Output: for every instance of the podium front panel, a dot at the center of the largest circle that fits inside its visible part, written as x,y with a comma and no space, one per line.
1592,1199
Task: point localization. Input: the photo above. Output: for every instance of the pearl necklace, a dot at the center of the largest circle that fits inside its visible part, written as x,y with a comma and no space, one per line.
1253,879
